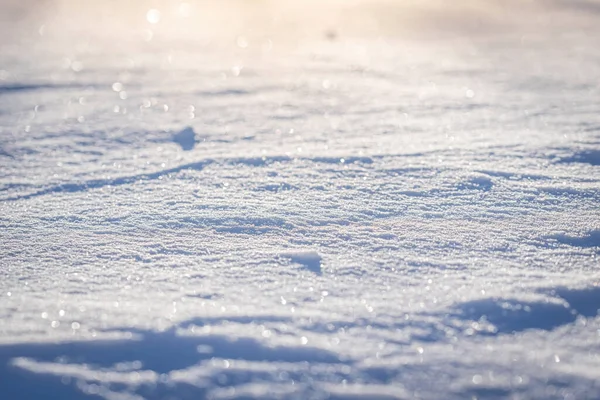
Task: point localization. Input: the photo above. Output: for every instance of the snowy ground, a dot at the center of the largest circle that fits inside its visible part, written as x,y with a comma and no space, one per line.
368,202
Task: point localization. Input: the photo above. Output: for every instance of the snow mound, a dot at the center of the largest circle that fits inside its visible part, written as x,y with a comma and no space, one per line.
310,259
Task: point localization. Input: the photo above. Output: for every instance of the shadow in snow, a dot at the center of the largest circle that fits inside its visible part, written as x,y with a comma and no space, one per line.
311,260
591,239
5,153
585,156
124,180
186,138
25,87
224,92
68,370
100,183
482,183
511,315
583,6
585,302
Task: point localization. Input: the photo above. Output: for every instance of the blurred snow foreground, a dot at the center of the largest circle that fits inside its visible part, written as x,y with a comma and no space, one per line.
299,200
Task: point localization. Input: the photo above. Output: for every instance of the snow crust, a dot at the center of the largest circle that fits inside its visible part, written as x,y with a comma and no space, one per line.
266,208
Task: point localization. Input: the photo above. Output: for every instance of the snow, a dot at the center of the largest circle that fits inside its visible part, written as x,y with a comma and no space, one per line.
378,200
309,259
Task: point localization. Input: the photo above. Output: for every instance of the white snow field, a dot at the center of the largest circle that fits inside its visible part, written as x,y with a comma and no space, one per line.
299,200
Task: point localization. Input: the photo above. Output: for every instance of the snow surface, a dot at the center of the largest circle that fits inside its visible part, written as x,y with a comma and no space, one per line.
377,200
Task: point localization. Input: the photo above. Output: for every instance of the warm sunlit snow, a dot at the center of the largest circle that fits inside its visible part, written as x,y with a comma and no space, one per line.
299,200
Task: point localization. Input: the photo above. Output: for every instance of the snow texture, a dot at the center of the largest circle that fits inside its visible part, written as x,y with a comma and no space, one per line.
257,200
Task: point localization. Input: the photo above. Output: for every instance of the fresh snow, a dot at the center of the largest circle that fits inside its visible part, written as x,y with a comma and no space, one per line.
299,200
